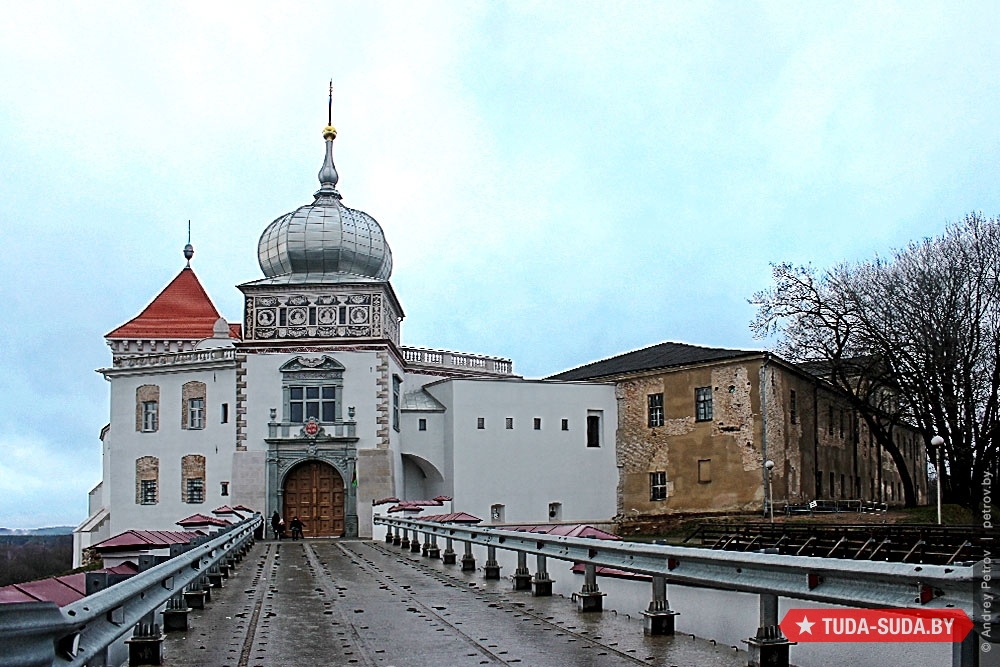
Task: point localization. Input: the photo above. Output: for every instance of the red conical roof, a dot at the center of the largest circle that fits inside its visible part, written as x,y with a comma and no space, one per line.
181,310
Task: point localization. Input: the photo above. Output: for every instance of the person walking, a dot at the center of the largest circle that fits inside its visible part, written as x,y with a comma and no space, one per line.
275,524
296,526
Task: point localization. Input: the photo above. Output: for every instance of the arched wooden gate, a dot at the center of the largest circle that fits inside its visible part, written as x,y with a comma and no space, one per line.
314,492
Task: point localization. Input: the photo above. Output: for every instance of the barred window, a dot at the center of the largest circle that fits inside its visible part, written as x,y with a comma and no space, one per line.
147,492
195,491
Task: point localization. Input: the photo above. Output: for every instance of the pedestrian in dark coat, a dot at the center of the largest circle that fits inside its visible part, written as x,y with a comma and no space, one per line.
276,524
296,526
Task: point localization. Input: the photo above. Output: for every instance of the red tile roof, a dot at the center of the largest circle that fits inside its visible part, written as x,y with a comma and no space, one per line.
454,517
202,520
145,539
61,590
182,310
564,530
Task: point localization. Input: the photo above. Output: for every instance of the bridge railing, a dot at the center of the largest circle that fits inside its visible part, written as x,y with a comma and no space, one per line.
862,584
42,633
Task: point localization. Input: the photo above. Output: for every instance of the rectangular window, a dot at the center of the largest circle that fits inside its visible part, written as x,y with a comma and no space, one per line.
421,424
342,314
843,486
305,403
497,513
658,486
282,317
397,383
703,404
224,488
312,316
480,423
841,424
704,471
793,413
195,491
147,490
655,407
565,424
857,486
593,430
509,423
225,413
196,413
538,423
555,511
149,419
833,485
819,483
829,420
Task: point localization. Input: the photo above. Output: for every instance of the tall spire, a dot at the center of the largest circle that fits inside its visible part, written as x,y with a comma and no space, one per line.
328,176
189,249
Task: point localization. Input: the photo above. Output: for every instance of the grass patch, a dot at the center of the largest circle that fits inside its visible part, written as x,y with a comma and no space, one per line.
951,515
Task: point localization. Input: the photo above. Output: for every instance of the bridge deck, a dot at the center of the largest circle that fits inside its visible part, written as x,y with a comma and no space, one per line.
336,602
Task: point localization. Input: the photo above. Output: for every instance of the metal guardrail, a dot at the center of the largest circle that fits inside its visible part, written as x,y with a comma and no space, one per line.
851,583
43,634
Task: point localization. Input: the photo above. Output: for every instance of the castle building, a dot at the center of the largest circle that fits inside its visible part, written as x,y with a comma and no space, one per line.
313,407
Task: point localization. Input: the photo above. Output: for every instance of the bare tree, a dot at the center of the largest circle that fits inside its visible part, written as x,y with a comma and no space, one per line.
912,339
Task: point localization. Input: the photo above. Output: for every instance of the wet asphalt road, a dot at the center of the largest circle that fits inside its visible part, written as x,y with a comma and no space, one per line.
337,602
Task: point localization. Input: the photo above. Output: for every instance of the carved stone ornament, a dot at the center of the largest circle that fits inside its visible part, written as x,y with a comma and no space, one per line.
297,300
311,451
311,364
311,429
266,301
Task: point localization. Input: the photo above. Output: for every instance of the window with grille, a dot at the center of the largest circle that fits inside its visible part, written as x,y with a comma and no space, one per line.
509,423
538,423
195,491
658,485
655,408
397,383
793,413
148,491
703,404
421,424
565,424
480,423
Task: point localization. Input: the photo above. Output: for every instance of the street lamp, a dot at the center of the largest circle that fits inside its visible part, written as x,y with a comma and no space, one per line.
936,442
769,464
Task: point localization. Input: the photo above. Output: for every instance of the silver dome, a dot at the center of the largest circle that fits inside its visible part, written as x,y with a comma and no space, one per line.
325,238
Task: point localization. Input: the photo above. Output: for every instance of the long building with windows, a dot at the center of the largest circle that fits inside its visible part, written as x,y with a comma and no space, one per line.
312,406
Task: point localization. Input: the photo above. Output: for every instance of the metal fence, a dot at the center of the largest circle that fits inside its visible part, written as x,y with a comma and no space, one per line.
863,584
43,634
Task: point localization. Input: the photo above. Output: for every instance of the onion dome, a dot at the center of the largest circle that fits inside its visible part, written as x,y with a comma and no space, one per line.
325,241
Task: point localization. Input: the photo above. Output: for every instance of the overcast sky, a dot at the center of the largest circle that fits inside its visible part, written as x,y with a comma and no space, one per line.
559,182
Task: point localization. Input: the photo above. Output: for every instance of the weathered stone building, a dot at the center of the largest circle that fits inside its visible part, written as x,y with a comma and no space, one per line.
696,426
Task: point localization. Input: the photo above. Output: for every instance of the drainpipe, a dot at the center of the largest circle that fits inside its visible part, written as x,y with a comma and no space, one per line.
763,429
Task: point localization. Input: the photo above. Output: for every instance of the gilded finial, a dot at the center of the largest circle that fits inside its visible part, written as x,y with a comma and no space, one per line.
328,176
330,132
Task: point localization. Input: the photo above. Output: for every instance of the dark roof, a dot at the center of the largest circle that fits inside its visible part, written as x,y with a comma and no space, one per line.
664,355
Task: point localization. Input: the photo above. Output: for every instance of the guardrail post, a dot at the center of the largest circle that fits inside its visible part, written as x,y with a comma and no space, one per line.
146,645
215,577
590,597
397,538
449,552
432,549
388,534
194,596
491,569
415,544
770,647
658,617
522,575
175,616
541,584
405,542
468,560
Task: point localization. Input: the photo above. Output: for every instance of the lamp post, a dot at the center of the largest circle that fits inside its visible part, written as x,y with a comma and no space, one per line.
936,442
769,464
